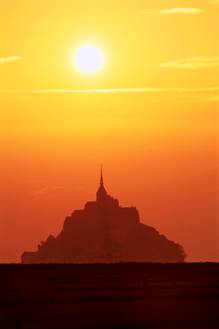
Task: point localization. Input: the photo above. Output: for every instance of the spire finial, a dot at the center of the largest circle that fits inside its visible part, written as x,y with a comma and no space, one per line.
101,176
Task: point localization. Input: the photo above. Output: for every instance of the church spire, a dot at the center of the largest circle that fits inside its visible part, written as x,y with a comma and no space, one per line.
103,198
101,176
101,192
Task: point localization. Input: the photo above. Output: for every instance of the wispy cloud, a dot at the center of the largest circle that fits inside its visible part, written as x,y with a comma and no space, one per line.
205,94
78,91
10,59
46,190
194,63
144,90
175,11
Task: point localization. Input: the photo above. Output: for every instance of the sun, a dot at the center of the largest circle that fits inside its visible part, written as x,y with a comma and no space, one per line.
89,59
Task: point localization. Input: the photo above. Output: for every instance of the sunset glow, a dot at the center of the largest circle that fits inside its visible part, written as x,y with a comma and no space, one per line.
132,85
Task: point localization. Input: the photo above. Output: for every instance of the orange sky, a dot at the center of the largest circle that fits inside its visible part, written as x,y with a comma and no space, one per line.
155,129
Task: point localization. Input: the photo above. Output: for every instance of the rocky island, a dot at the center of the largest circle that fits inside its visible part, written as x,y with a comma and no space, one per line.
105,232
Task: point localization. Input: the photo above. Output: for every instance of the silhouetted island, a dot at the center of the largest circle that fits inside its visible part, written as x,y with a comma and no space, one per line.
105,232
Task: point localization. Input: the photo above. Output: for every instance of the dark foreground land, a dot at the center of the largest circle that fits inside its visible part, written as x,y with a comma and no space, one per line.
109,296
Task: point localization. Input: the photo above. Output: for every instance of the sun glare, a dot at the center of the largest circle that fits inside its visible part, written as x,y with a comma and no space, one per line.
89,59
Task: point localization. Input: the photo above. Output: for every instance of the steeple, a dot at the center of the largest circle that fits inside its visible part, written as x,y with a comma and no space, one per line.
103,198
101,192
101,177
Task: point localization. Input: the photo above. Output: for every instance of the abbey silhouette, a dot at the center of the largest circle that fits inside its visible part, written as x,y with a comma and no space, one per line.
105,232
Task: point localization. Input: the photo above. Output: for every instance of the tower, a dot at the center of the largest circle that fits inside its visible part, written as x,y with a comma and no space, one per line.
103,198
101,192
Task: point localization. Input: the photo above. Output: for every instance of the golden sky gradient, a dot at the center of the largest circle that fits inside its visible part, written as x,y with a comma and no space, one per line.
150,116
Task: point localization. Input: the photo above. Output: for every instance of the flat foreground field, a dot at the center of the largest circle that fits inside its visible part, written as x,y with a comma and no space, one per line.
109,296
